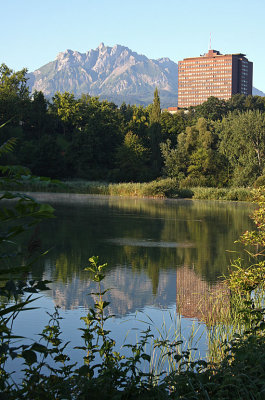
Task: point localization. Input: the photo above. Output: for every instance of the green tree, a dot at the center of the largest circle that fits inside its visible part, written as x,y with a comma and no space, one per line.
44,157
237,102
95,139
132,159
155,113
172,162
139,122
243,144
195,157
65,107
37,121
255,103
172,125
155,135
212,109
14,94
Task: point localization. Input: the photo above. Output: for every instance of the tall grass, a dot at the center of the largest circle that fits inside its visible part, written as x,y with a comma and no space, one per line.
163,188
234,194
167,341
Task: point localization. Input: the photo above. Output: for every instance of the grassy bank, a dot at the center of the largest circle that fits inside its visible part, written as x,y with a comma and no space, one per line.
164,188
235,368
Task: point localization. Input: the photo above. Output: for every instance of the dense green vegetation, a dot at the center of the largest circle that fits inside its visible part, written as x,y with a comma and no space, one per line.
239,373
217,144
234,370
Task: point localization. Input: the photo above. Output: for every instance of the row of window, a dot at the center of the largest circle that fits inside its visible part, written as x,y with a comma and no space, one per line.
204,63
207,72
198,90
216,67
208,83
202,81
191,92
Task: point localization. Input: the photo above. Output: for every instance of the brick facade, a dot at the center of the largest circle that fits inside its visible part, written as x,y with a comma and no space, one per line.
213,74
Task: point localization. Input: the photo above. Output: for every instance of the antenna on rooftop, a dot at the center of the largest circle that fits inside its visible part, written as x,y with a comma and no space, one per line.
210,44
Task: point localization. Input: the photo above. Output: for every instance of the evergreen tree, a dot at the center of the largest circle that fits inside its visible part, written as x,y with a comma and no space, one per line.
155,114
155,135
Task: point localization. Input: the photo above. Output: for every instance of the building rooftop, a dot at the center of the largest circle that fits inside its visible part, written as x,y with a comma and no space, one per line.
215,53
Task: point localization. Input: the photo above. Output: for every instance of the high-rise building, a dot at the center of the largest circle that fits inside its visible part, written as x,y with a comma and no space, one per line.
213,74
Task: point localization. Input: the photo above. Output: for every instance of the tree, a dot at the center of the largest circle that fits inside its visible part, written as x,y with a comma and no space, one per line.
243,144
237,102
155,114
139,122
172,162
132,159
95,139
155,135
36,121
13,83
255,103
172,125
195,156
65,107
212,109
44,157
14,93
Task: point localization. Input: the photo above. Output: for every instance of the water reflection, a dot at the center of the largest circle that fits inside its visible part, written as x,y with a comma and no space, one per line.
146,243
196,298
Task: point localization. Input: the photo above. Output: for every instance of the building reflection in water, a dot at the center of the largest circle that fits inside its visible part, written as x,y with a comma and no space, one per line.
196,298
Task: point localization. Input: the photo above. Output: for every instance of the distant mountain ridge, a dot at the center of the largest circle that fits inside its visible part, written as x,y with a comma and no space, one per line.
114,73
257,92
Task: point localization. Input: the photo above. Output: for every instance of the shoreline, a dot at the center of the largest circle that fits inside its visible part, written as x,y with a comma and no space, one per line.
55,196
161,189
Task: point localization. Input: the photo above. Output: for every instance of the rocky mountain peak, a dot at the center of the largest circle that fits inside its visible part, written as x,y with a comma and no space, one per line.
114,73
101,46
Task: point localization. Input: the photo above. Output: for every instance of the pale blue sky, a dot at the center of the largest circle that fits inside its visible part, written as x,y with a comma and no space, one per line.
33,32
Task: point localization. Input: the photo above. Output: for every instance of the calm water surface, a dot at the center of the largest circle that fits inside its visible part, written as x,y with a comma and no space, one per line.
164,259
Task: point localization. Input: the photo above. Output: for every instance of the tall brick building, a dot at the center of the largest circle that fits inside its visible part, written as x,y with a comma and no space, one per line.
213,74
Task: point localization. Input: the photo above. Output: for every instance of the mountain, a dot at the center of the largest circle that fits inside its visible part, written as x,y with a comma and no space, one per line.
114,73
257,92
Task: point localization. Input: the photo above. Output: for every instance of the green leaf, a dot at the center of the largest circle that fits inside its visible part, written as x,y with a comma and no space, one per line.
146,357
84,370
46,208
178,357
16,307
39,348
29,356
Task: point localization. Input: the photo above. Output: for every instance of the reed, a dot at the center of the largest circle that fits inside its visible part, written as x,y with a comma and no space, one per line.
232,194
163,188
168,346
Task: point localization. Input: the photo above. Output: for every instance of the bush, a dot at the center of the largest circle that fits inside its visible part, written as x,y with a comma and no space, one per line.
260,181
232,194
161,188
193,181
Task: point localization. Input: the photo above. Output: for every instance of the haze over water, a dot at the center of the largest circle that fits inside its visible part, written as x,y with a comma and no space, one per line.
161,254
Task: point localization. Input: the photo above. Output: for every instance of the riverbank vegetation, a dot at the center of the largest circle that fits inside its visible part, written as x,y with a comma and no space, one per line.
162,188
219,144
90,139
234,368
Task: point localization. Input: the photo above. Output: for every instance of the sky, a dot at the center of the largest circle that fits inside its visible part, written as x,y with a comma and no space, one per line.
33,32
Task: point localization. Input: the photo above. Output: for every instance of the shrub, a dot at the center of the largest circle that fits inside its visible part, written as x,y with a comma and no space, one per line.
260,181
193,181
161,188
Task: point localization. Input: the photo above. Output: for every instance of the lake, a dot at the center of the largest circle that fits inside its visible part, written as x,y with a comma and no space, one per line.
165,258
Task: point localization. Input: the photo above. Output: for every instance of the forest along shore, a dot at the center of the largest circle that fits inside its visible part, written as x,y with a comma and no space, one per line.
163,188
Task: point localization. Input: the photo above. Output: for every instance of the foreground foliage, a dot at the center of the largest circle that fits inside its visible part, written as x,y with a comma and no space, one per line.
47,370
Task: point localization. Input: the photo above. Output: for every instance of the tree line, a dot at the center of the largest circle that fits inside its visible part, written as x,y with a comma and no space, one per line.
218,143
